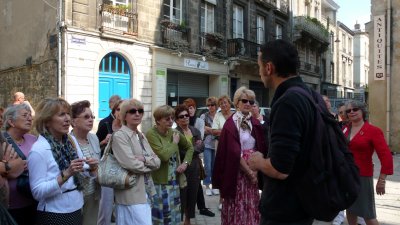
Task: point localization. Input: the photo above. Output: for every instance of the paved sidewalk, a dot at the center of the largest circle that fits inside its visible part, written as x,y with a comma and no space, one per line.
387,206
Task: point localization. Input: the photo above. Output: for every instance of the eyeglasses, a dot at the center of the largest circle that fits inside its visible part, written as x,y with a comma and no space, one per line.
210,105
133,111
247,101
183,116
353,109
86,117
118,109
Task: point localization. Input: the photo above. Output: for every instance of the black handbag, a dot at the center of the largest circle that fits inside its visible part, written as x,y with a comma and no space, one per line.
23,186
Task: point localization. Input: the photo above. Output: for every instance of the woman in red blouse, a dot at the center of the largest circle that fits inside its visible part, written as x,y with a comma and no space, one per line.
364,139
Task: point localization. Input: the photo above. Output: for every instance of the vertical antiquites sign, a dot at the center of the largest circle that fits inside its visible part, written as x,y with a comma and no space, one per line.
379,47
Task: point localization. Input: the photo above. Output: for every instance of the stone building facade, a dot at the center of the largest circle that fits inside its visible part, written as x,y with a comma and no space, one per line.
384,94
361,63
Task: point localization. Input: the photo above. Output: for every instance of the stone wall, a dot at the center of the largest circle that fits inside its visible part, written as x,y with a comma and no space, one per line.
36,82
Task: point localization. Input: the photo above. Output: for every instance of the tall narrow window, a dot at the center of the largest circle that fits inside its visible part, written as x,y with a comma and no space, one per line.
173,11
207,17
237,22
278,31
260,29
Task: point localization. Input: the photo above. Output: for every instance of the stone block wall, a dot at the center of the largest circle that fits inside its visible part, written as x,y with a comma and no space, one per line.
37,81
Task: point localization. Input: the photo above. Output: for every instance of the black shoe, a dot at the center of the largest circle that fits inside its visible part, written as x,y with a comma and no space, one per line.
206,212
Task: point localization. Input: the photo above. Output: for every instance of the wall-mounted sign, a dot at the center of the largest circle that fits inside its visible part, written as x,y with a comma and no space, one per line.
197,64
78,40
379,47
160,86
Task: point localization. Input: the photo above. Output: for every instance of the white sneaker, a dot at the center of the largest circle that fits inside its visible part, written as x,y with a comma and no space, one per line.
215,191
220,206
208,192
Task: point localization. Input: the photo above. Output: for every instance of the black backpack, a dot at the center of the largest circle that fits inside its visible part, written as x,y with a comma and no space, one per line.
331,181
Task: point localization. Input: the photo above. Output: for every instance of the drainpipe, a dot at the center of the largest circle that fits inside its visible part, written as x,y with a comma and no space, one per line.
388,69
59,45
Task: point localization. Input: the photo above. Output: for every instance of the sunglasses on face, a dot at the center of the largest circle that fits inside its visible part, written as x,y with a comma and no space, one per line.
244,101
183,116
210,105
86,117
134,111
353,109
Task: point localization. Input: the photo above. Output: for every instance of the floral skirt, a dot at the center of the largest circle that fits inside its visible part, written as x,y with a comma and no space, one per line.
166,205
243,209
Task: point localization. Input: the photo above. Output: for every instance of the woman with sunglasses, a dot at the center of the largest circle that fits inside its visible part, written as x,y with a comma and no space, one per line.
167,143
57,167
133,152
241,136
82,123
193,135
18,123
364,140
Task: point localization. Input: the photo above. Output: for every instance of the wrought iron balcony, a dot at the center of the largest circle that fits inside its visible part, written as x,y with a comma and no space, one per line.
268,3
309,68
175,37
311,27
118,20
242,48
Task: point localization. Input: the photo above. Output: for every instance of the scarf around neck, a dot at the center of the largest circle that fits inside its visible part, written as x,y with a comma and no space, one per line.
63,154
242,121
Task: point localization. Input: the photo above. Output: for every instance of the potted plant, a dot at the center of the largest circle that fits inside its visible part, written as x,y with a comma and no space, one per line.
214,38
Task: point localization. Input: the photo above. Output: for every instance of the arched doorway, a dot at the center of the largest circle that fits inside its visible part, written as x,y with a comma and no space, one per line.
114,79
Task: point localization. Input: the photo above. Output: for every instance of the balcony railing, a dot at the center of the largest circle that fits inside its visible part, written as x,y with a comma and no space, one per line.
117,20
177,39
211,44
242,48
310,68
314,29
269,3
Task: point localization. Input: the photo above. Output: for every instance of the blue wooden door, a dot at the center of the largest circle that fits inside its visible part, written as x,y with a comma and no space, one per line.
114,79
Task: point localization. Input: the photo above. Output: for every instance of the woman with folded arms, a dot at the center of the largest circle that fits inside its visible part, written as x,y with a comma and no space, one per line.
56,166
18,123
133,152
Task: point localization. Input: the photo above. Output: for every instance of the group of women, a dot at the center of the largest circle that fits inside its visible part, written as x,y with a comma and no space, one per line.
62,163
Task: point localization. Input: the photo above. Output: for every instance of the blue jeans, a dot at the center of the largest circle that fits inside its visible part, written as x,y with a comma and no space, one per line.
209,159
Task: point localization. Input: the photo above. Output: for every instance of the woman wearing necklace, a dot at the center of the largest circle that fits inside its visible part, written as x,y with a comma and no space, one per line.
168,180
241,136
364,140
56,166
82,123
18,123
133,152
193,135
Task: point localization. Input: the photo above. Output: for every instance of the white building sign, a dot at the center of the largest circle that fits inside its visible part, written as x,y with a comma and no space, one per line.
197,64
379,47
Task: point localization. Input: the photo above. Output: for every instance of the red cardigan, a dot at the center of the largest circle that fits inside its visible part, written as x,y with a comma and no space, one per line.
227,160
363,144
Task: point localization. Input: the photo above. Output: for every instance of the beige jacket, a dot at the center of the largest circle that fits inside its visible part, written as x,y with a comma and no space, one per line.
126,156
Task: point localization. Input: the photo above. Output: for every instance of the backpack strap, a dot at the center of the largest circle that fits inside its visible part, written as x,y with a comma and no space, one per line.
15,146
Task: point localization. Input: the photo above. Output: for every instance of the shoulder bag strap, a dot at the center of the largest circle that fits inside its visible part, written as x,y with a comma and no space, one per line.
15,146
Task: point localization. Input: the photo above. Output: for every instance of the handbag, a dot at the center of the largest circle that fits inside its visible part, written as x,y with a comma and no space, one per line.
111,174
23,186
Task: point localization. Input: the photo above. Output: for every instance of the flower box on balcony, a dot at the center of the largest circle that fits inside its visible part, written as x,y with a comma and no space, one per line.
215,39
122,10
171,25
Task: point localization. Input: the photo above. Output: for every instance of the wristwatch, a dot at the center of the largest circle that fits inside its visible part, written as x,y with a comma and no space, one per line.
6,166
186,163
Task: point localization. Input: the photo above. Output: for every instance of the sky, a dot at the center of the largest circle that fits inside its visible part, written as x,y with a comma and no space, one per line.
352,11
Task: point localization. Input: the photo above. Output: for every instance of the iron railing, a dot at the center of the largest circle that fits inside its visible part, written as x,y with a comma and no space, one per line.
240,47
177,39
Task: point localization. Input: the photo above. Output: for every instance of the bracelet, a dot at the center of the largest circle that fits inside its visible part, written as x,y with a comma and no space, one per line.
63,177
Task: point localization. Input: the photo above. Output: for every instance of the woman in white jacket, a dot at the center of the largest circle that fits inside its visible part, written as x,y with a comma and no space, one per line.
56,166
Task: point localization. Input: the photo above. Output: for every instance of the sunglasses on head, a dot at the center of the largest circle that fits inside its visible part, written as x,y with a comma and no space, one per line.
183,116
353,109
247,101
133,111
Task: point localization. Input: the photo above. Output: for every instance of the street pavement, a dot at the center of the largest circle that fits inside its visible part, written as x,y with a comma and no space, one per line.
387,206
